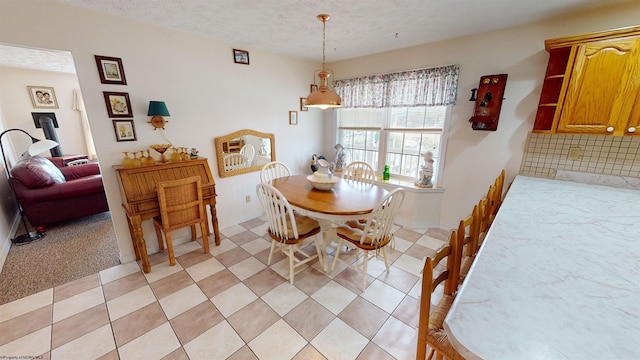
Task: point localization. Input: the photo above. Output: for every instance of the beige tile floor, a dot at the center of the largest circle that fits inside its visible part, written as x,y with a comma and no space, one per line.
227,305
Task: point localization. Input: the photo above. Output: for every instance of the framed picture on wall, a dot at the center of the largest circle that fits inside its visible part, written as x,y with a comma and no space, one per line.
302,102
118,104
110,70
312,88
240,56
125,130
43,97
293,118
36,118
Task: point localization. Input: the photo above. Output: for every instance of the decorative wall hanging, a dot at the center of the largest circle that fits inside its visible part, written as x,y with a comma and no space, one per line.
43,97
489,98
302,104
293,118
118,104
240,56
110,70
125,130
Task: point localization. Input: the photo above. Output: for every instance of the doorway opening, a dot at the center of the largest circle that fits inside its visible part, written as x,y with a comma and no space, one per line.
74,248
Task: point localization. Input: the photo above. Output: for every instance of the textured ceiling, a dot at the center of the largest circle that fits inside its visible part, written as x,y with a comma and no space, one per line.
37,59
356,28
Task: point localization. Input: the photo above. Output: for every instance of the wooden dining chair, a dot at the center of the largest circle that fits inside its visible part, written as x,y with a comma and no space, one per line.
469,228
373,238
431,333
181,205
249,152
499,195
359,171
235,161
273,170
288,229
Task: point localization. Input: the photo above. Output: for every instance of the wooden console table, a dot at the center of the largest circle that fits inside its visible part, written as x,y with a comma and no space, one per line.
140,201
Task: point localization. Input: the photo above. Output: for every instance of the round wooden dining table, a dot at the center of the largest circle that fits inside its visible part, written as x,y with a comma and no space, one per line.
347,200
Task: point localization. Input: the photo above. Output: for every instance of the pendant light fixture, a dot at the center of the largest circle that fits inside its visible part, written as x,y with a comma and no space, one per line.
323,97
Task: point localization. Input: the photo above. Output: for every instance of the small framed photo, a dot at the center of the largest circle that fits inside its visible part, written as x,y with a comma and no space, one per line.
293,118
118,104
312,88
240,56
43,97
36,118
110,70
302,102
125,130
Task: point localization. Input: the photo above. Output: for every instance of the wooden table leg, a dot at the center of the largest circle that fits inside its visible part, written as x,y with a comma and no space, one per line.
214,219
136,223
136,248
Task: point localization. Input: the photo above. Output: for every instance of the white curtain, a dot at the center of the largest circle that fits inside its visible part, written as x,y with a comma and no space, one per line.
423,87
78,105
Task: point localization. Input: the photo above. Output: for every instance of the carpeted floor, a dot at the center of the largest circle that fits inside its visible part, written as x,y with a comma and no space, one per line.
71,250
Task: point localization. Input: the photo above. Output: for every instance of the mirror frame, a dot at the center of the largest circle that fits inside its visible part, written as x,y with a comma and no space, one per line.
222,139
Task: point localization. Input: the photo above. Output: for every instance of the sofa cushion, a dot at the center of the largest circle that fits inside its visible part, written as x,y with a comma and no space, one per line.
36,171
80,171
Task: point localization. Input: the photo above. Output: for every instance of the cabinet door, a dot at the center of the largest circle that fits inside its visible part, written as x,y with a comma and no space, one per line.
602,88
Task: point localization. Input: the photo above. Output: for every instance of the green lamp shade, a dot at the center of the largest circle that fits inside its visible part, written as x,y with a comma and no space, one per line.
157,108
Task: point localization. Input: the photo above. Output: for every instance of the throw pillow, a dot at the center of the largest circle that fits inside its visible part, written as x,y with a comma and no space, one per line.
36,171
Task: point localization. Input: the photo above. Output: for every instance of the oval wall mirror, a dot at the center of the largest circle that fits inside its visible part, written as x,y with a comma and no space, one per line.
244,151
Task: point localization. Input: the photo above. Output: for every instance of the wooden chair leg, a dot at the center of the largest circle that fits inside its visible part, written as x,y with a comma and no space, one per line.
172,259
159,236
291,263
364,270
273,246
194,232
319,252
205,237
385,257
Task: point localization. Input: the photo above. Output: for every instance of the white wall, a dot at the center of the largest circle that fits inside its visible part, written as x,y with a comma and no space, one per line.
8,210
475,158
17,107
207,94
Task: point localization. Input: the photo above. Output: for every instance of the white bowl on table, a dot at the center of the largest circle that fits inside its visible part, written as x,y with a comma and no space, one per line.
323,183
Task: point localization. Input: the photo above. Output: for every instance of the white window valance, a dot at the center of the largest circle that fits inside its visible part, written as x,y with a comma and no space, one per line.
423,87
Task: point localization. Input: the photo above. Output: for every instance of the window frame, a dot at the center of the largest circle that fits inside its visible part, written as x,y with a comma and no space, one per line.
383,139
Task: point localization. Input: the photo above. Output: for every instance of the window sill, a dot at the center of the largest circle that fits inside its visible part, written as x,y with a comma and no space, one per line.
406,185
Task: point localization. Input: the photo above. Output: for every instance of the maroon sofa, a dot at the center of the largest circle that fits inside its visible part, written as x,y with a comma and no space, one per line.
49,194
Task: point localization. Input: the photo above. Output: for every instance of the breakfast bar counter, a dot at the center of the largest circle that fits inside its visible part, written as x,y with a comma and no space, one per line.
557,277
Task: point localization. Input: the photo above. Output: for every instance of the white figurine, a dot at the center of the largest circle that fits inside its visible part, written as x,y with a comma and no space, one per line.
339,157
426,171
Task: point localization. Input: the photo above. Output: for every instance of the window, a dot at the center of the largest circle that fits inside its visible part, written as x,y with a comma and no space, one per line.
395,136
394,118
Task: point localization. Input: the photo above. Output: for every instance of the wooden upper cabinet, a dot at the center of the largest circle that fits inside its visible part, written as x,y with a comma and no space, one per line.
599,90
603,87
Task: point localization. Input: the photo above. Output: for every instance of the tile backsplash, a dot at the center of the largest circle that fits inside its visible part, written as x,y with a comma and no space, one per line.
598,154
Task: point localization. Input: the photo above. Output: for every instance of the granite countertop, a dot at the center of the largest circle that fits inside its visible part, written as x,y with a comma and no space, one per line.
558,276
